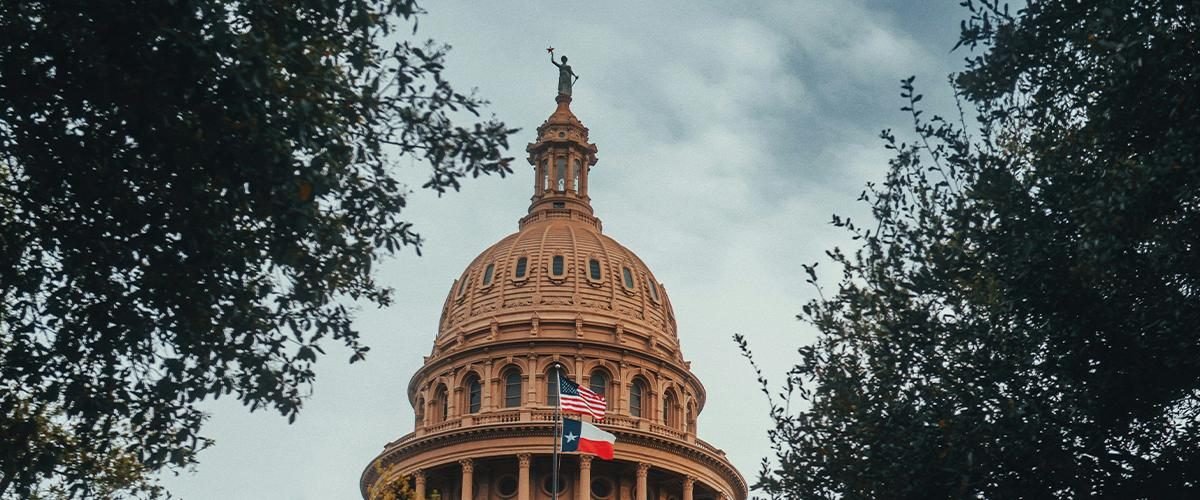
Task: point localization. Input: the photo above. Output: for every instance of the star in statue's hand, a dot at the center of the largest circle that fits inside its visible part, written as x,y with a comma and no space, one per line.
550,49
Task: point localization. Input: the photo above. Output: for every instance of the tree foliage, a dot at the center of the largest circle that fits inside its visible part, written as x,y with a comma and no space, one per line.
191,190
394,489
1020,318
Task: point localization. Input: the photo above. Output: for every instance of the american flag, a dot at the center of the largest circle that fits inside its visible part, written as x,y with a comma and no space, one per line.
581,400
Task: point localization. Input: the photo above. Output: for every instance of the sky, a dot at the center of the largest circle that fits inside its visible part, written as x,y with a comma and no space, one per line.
729,133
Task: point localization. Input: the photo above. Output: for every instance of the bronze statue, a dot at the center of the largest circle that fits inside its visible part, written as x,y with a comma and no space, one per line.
566,77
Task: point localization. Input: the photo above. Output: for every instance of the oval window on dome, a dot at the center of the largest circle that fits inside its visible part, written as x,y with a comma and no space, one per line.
558,265
522,264
506,486
550,488
487,274
653,289
594,269
602,488
462,287
628,276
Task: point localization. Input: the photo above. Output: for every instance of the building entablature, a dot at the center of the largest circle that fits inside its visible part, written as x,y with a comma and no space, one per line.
687,457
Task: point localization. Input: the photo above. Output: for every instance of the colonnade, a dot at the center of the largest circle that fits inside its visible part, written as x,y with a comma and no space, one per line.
524,460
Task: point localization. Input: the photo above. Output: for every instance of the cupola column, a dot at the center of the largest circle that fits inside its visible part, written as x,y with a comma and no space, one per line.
468,479
643,469
523,476
419,480
585,477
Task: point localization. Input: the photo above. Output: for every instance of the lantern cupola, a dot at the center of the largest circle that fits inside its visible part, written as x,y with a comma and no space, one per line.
561,158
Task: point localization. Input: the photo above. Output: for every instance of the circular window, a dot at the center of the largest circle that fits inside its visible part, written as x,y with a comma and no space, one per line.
506,486
602,488
548,484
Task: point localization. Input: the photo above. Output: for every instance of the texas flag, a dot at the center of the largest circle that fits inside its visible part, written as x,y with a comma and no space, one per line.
582,437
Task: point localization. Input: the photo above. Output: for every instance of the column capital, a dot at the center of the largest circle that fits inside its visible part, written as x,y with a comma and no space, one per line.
689,481
523,459
467,464
642,469
585,461
419,475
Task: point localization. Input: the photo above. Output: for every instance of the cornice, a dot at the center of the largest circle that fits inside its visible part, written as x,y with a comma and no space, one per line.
394,453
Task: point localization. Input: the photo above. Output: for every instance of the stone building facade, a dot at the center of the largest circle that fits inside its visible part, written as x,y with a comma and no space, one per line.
558,292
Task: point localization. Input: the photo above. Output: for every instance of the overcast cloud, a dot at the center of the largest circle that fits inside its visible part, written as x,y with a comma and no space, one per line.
728,133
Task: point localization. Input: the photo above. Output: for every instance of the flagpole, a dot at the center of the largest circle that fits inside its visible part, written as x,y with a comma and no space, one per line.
557,426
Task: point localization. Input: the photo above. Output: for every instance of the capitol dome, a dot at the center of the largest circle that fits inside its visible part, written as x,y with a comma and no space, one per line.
558,267
557,296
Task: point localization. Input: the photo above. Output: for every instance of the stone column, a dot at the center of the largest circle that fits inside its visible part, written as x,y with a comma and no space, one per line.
532,376
689,484
642,470
468,478
585,477
486,390
419,479
523,476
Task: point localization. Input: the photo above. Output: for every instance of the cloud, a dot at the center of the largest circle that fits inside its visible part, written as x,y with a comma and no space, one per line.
728,134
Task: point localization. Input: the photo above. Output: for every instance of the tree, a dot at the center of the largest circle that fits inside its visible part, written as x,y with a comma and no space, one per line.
1020,320
191,193
395,489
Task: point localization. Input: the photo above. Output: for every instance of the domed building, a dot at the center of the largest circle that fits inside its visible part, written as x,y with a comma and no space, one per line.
558,292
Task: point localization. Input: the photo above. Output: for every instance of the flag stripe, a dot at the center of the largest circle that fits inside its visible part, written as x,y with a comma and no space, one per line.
582,400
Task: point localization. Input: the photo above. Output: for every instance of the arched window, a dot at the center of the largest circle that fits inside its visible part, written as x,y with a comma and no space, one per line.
558,265
578,167
598,382
420,412
668,409
560,167
551,389
487,274
512,389
522,264
442,401
653,288
545,175
594,269
474,394
637,398
628,275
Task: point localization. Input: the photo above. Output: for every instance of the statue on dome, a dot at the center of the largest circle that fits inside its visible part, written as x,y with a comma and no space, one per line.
566,77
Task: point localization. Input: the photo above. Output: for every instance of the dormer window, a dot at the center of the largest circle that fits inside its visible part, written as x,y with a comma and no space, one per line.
594,269
558,266
628,276
653,289
522,264
487,274
462,287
